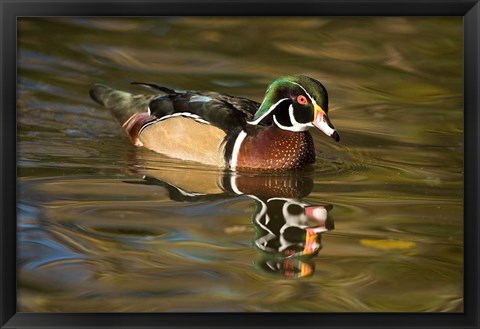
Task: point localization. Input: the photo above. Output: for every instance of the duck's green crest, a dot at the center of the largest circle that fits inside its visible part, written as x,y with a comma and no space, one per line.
284,90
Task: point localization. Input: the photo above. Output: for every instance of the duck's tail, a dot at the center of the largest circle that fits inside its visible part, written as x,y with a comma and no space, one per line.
123,105
130,110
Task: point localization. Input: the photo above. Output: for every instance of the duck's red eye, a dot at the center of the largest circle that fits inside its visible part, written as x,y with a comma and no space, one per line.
301,100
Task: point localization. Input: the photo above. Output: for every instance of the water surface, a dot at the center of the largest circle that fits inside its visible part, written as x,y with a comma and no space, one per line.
377,225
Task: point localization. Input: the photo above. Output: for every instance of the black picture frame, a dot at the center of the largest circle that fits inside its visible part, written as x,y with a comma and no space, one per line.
10,10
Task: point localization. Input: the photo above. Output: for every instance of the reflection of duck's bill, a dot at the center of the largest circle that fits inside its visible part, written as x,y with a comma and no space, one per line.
296,268
319,214
312,244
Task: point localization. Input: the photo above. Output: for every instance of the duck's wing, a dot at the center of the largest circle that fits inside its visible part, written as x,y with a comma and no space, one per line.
223,111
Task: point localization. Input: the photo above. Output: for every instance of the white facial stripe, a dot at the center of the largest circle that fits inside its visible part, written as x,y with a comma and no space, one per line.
279,125
296,126
236,148
311,98
271,108
179,114
292,117
301,126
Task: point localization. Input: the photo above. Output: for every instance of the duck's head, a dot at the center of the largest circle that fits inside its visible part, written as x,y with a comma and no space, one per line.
296,103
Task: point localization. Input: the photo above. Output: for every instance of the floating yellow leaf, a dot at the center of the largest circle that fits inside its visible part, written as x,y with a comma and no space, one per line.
388,244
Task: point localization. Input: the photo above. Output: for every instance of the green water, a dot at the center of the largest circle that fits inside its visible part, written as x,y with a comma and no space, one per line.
104,226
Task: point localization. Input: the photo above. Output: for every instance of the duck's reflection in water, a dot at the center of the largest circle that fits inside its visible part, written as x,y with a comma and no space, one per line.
288,229
288,235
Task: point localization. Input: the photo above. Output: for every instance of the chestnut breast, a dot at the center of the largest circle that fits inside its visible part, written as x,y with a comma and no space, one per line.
275,148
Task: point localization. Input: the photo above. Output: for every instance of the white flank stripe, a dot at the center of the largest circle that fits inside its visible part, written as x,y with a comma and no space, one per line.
185,193
184,114
236,148
179,114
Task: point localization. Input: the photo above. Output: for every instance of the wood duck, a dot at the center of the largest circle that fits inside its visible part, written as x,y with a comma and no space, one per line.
226,131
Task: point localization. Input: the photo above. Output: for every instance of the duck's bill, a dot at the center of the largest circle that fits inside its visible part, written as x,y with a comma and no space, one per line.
323,123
